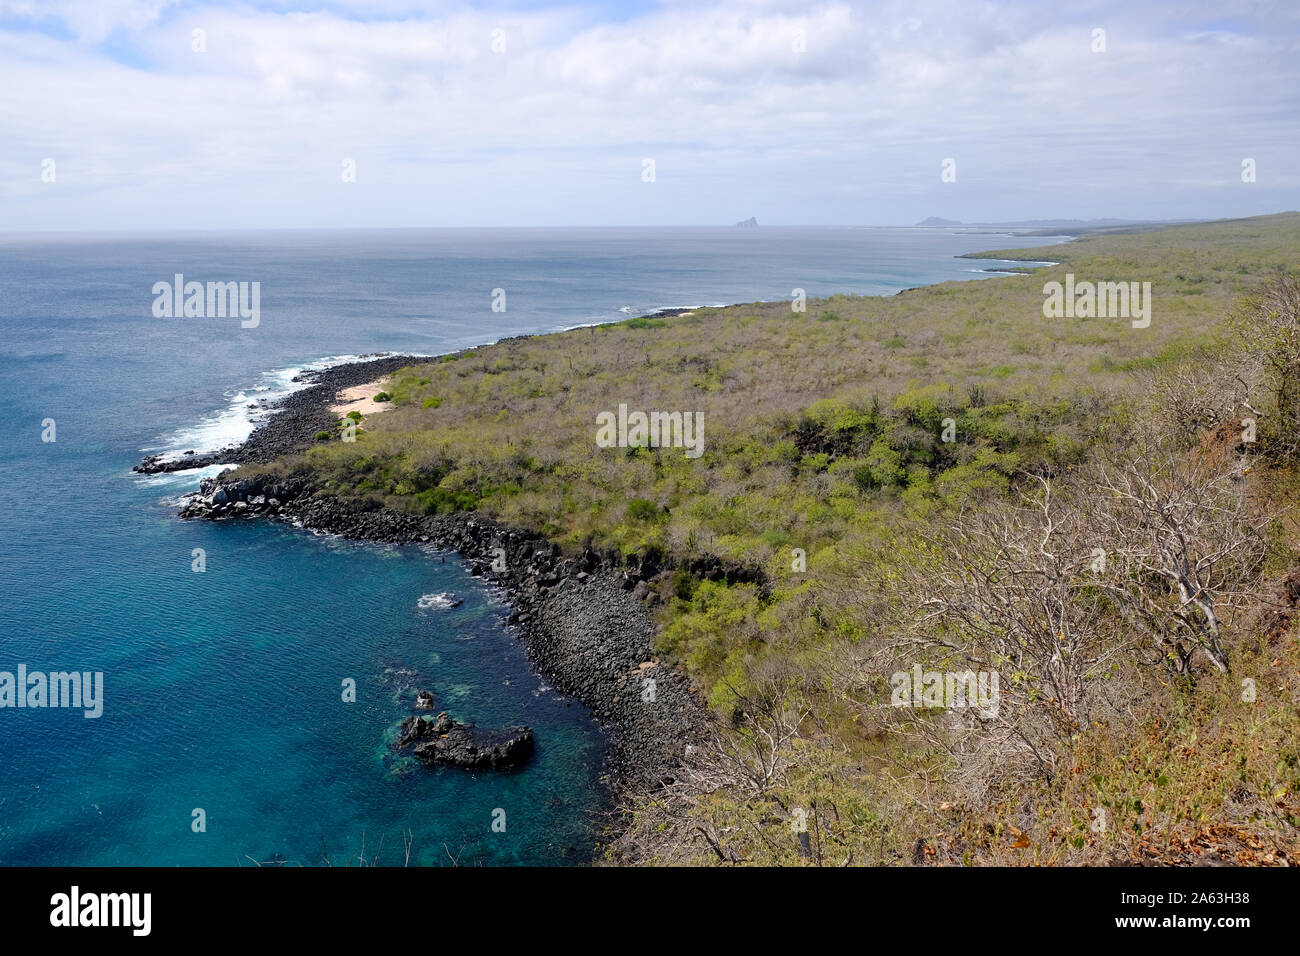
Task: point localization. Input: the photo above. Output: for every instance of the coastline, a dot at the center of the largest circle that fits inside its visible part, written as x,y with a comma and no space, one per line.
585,622
581,620
994,254
298,414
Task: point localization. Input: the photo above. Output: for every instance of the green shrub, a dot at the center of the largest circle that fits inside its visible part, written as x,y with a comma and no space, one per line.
683,584
864,477
434,501
638,509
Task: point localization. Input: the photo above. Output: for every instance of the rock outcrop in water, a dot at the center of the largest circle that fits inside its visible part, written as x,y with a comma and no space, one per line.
442,740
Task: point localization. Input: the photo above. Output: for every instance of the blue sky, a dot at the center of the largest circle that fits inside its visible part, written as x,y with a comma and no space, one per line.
540,113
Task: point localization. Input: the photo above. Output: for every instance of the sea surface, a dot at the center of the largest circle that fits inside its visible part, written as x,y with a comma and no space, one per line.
224,689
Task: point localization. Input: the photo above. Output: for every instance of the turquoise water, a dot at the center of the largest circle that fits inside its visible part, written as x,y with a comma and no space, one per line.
223,689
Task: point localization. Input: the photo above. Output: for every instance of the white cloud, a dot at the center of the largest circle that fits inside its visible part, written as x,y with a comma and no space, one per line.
447,132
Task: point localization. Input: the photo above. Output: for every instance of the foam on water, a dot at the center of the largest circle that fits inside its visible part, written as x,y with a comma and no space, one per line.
185,476
233,424
441,601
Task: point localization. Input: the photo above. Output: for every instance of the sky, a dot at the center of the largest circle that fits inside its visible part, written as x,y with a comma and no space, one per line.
151,115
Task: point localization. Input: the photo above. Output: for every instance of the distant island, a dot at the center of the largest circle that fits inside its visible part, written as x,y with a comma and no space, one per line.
750,223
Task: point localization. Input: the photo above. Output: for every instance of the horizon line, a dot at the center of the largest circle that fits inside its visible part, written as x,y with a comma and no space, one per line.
1022,224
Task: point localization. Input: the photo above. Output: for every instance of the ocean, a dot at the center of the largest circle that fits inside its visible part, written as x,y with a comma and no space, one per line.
225,737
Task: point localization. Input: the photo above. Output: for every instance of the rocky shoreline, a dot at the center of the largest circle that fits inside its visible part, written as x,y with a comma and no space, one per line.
585,621
293,420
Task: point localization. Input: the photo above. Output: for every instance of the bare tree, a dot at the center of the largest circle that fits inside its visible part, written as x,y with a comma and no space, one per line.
1142,558
1269,327
727,784
1184,545
1210,391
1006,587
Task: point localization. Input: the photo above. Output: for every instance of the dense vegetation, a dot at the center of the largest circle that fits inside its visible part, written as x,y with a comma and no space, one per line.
945,478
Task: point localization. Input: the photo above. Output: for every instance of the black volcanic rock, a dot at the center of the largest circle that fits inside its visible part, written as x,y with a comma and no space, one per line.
590,634
446,741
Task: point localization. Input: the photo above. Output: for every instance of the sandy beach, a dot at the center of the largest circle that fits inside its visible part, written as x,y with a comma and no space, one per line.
361,398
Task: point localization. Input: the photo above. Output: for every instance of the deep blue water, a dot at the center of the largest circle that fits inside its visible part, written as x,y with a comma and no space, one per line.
223,688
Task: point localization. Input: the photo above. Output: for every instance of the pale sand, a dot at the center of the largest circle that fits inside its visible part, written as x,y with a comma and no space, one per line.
361,398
